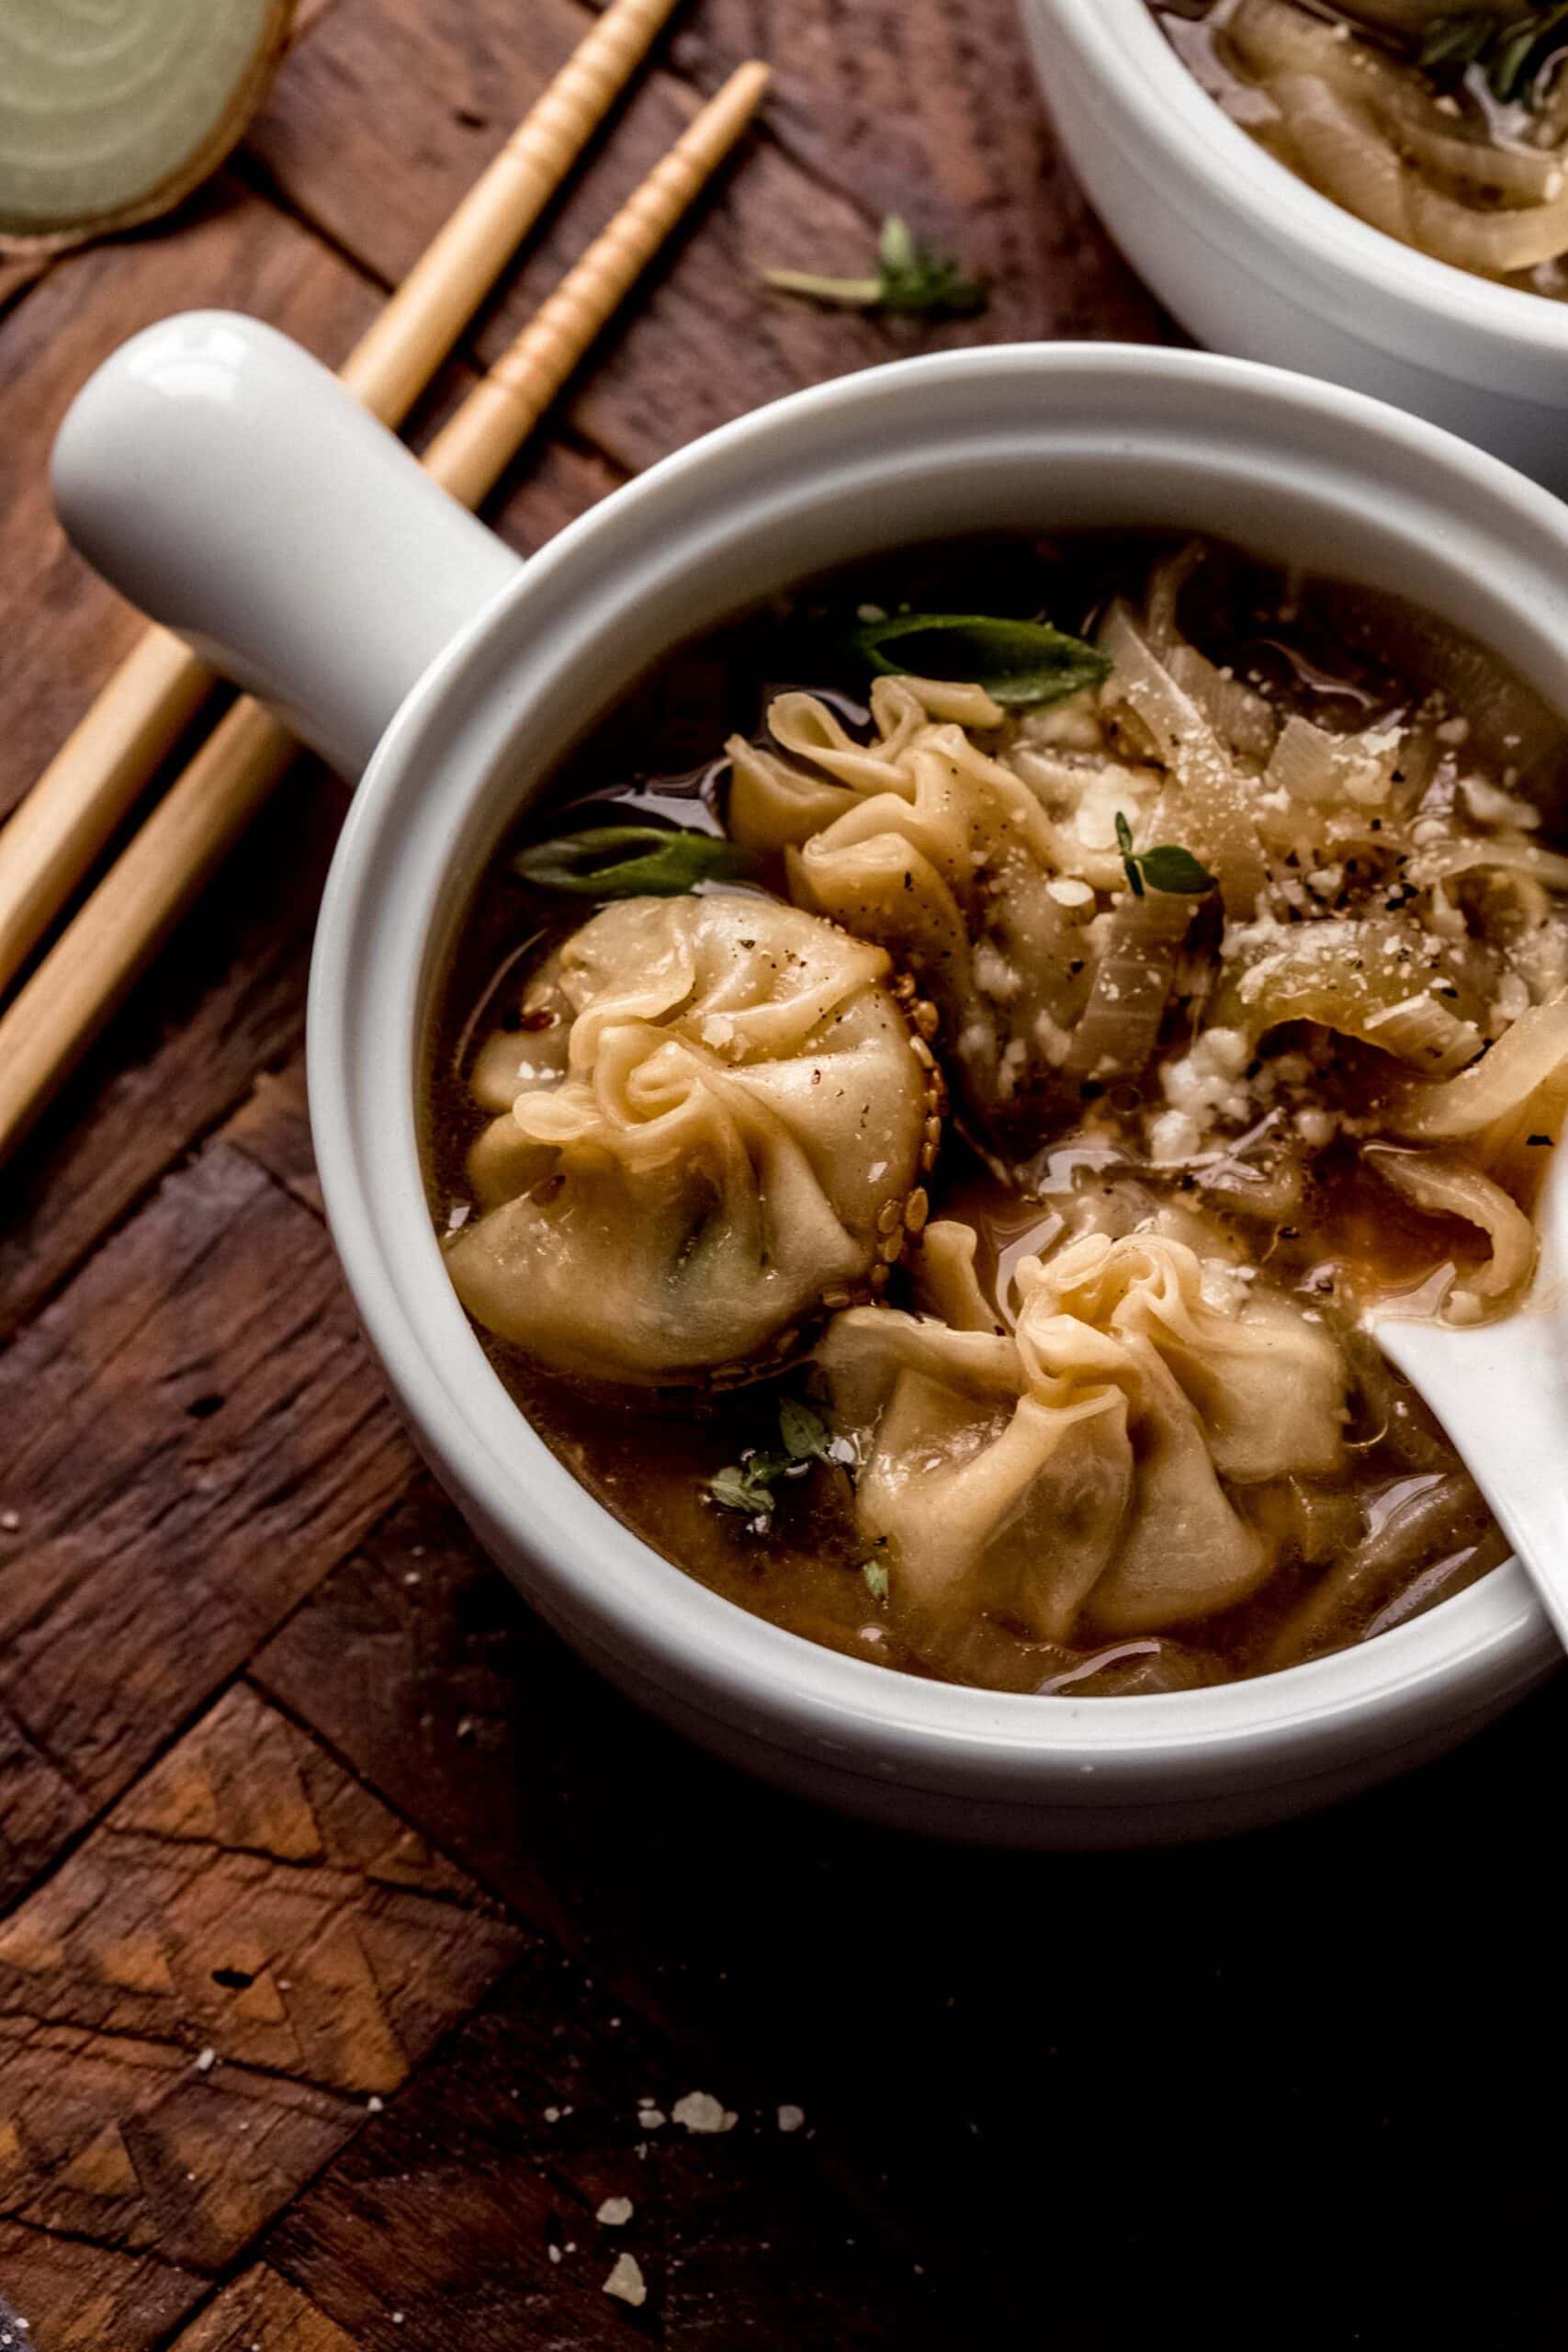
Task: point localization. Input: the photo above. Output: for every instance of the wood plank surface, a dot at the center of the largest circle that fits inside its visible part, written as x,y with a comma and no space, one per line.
358,1947
196,2008
191,1440
88,2298
262,2313
900,86
227,997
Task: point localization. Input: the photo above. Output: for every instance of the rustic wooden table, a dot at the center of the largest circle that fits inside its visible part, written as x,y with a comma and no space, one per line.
360,1945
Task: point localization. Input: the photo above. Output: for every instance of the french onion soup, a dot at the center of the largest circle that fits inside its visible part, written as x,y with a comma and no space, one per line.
918,1112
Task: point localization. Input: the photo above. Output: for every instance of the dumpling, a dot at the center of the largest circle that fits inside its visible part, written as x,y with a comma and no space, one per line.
987,876
716,1124
1267,1385
1072,1474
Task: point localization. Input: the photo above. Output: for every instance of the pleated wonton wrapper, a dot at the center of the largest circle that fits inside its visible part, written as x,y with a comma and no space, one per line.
926,843
1068,1473
710,1127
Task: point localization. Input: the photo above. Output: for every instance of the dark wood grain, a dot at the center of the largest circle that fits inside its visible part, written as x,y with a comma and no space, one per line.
974,2037
289,1773
193,1436
63,629
226,999
548,2103
927,105
197,2006
262,2313
79,2297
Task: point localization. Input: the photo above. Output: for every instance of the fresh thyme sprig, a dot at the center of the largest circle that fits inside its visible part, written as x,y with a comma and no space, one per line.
749,1486
1166,868
909,277
1514,52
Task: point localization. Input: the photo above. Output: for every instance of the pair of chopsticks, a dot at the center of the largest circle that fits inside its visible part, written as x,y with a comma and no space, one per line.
49,845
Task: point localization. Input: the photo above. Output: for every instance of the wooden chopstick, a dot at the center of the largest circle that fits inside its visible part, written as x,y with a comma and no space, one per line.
49,844
98,955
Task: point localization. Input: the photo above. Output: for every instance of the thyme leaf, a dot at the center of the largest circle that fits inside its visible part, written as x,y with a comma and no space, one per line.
1167,868
803,1432
911,277
740,1487
749,1486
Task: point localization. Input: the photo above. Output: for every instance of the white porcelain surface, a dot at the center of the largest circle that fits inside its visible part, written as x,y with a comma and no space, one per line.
210,470
1252,261
1500,1391
1045,435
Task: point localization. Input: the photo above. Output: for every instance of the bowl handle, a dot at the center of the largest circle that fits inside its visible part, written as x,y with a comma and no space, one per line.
223,480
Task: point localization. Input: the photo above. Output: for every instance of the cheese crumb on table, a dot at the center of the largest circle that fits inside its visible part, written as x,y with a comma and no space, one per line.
626,2281
700,2111
616,2212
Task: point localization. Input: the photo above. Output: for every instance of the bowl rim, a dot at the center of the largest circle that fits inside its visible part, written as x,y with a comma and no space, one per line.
592,1577
1262,198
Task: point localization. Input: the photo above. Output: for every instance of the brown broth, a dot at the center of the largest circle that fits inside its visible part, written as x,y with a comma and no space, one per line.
1313,647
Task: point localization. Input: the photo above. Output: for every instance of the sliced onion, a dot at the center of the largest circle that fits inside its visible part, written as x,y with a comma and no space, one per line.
1350,156
1448,1187
1121,1022
111,114
1497,242
1510,725
1430,1513
1520,1062
1216,823
1343,152
1237,713
1166,583
1274,37
1423,1031
1530,174
1324,770
1357,978
1445,859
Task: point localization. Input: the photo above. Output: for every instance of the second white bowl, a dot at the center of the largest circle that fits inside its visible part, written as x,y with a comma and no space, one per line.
1254,261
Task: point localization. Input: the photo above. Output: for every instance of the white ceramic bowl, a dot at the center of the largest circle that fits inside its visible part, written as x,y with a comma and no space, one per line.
224,482
1253,261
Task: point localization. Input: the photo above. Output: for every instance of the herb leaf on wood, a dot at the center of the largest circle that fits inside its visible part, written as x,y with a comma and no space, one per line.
911,277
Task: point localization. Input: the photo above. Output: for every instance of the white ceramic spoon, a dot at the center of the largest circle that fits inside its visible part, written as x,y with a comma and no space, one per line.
1501,1392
